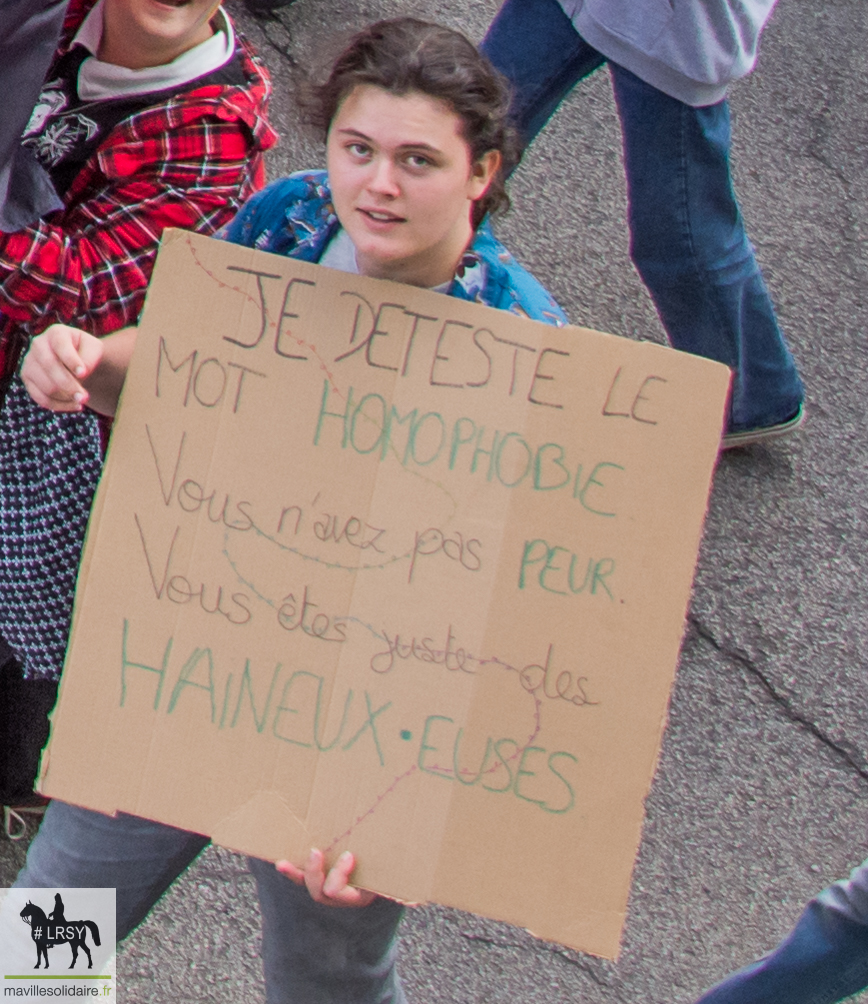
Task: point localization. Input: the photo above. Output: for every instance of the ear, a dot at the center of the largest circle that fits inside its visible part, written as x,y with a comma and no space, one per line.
482,172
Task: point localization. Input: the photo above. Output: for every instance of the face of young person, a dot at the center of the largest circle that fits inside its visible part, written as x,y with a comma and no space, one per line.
403,183
140,33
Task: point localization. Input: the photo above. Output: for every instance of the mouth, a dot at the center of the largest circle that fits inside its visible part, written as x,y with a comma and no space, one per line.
381,216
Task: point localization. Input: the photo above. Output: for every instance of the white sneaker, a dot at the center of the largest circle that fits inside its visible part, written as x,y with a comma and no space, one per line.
734,440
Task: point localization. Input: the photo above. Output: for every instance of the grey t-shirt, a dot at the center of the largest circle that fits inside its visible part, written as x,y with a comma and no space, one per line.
340,253
689,49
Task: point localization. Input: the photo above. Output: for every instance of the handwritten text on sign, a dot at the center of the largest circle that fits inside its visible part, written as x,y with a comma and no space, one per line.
373,567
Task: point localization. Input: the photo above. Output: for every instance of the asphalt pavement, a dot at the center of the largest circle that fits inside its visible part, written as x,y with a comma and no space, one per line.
761,794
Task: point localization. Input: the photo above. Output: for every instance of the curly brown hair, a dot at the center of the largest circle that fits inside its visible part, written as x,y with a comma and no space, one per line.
405,54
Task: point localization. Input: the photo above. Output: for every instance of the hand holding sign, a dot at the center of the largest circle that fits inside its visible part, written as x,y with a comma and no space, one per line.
332,888
67,368
58,360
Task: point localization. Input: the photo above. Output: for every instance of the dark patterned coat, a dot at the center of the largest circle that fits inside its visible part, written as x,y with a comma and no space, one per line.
188,161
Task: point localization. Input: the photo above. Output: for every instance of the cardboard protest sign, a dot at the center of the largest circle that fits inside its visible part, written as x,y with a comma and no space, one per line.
376,568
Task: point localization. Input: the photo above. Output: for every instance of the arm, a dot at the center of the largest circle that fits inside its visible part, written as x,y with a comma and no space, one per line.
67,368
90,267
27,36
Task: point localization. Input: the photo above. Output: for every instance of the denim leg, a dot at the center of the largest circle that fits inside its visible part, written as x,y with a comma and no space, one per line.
78,848
689,245
315,954
822,960
534,44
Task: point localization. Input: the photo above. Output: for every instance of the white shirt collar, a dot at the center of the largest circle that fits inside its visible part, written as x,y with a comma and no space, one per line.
99,81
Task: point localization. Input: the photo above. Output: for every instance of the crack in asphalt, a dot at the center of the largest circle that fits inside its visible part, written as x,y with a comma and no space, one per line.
816,149
783,703
552,950
268,23
821,132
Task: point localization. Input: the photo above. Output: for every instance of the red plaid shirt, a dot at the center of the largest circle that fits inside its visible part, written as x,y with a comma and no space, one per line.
189,162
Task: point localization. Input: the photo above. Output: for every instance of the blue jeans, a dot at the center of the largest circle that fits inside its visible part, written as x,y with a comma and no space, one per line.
312,954
688,241
822,960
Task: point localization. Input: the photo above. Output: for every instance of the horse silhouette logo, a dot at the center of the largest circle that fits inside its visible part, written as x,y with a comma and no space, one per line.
54,929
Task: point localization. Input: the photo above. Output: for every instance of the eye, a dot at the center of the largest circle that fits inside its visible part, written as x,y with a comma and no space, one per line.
418,161
358,149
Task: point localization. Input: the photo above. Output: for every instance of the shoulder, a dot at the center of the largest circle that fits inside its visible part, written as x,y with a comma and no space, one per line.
224,105
489,274
248,103
289,214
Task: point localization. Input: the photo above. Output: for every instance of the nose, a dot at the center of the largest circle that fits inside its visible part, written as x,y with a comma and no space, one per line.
383,179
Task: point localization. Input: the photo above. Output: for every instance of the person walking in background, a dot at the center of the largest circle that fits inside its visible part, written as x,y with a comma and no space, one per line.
29,30
152,116
671,64
823,959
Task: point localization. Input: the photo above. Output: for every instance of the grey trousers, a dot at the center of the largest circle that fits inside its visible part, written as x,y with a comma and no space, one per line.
312,954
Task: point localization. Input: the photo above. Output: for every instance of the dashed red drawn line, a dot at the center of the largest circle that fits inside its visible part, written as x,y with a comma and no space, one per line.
447,772
373,808
537,701
444,771
481,662
323,365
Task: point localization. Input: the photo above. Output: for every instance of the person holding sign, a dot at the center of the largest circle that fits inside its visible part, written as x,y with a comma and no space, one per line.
417,133
152,116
